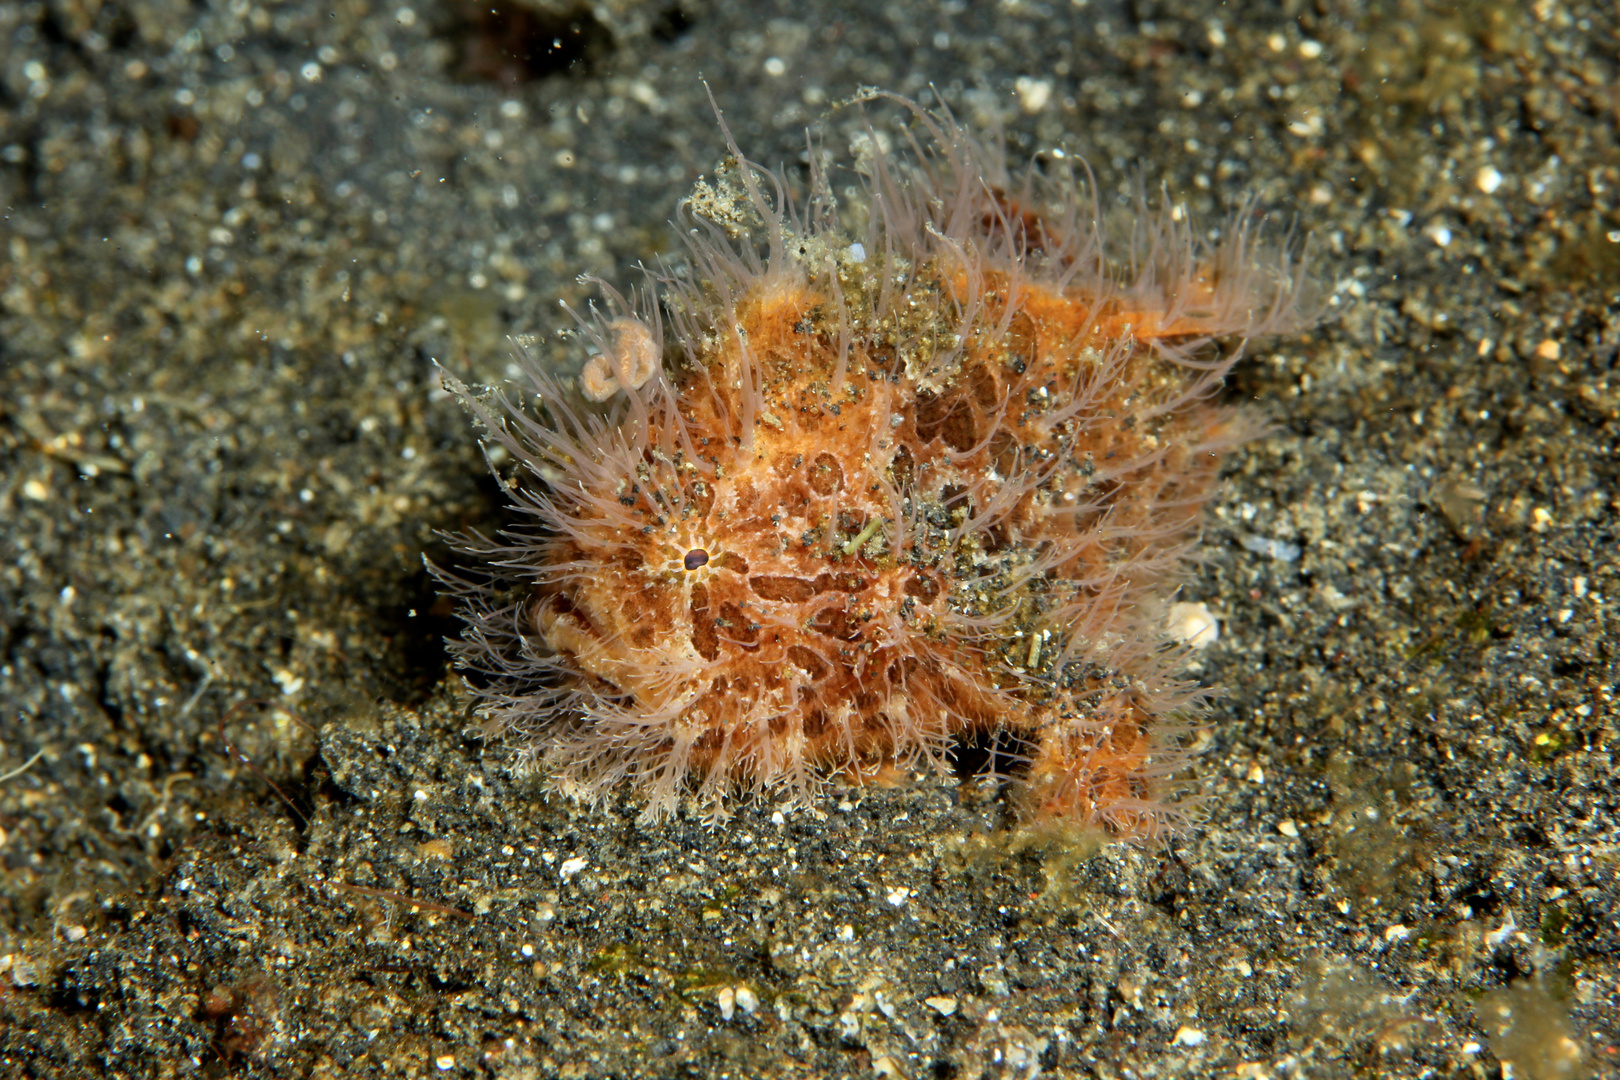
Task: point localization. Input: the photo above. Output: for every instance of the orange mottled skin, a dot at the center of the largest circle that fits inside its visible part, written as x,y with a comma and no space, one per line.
876,507
798,653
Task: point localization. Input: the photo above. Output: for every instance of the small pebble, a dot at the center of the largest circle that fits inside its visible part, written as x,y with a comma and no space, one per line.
1194,624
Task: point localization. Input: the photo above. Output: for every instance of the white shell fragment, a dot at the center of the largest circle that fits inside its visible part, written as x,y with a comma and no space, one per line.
1193,624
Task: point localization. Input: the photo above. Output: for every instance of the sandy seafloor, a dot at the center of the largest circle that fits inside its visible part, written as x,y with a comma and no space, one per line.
236,237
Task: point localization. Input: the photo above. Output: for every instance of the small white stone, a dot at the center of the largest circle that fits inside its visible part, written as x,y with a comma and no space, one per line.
1308,125
1396,932
728,1002
1488,180
1281,550
1288,828
445,1062
1033,94
945,1006
1186,1036
898,894
1194,624
570,867
747,1000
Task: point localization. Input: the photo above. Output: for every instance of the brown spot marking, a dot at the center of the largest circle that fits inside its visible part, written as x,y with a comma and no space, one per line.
704,638
789,590
923,587
826,475
808,662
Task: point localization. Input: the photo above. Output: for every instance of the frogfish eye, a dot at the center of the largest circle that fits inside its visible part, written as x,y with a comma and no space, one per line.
695,558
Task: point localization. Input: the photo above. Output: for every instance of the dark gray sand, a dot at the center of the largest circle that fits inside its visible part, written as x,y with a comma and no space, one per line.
236,237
